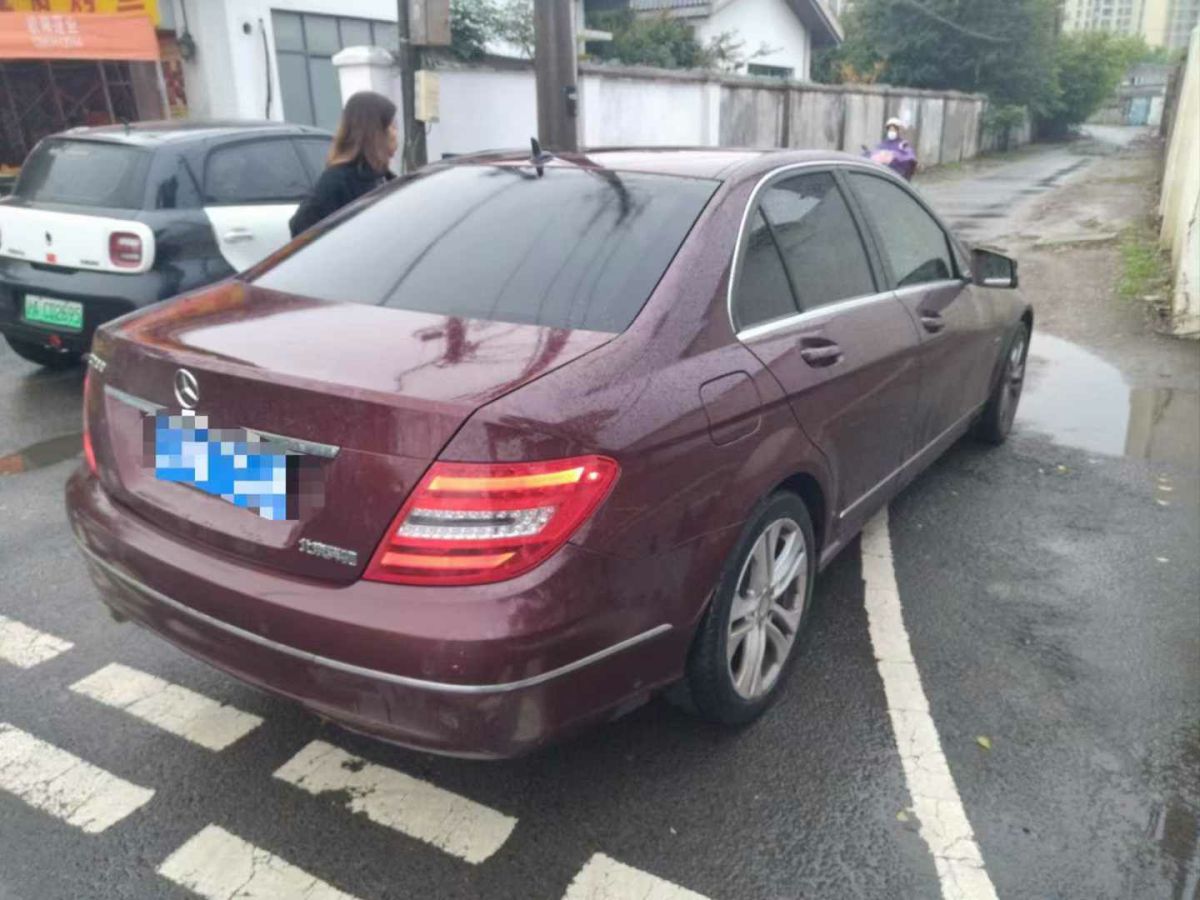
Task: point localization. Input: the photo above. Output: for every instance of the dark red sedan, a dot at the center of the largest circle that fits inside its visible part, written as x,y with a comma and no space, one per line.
504,448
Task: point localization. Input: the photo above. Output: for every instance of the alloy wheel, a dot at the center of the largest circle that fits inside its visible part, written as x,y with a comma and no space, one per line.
1014,380
767,608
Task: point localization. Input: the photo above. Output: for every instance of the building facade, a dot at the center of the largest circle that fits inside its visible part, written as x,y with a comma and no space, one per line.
271,59
777,37
1161,23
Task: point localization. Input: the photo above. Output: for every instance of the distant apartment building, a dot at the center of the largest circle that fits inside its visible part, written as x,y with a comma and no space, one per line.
1162,23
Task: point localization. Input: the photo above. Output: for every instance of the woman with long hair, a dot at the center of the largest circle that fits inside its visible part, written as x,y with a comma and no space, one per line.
366,140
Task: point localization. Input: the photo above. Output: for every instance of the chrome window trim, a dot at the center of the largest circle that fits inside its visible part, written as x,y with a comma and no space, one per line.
374,674
298,445
909,289
797,319
751,204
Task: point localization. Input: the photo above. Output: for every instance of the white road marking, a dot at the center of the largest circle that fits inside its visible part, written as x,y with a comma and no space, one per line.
218,865
172,708
26,647
936,802
63,785
459,826
603,878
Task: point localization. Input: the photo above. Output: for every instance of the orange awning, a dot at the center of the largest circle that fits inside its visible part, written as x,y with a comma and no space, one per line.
68,36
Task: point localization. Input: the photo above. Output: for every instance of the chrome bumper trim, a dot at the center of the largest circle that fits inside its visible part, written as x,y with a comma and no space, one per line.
374,674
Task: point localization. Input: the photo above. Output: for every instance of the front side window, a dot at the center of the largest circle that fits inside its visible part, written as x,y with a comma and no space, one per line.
820,243
255,172
573,248
914,244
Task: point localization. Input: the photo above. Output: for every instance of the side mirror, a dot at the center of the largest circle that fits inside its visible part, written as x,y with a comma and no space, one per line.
991,269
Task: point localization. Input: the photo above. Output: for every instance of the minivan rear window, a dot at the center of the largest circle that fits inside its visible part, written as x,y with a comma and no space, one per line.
85,173
573,248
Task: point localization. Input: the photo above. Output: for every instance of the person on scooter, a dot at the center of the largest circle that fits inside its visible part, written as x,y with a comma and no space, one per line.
894,151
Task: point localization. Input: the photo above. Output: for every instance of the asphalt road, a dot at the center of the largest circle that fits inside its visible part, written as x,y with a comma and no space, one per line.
1050,593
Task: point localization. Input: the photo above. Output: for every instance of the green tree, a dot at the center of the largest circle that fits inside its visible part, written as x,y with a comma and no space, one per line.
1003,49
660,41
1089,66
473,23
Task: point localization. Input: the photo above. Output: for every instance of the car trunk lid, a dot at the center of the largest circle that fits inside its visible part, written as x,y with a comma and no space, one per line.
366,396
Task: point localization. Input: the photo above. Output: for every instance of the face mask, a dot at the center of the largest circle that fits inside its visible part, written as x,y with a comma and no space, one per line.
892,134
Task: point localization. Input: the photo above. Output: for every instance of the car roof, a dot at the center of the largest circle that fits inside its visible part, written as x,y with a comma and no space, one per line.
175,132
719,163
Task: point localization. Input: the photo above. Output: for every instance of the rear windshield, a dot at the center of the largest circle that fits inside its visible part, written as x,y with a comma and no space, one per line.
85,173
575,248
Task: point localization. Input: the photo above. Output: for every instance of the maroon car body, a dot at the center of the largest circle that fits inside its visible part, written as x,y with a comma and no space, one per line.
705,414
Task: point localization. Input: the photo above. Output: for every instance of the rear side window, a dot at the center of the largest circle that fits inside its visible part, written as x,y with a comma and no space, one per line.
575,248
820,244
85,173
255,172
913,242
763,292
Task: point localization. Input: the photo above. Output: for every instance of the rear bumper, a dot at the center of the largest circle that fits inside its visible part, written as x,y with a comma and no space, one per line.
104,295
497,682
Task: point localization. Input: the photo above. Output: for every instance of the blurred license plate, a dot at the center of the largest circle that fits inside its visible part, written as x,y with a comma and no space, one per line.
56,313
231,463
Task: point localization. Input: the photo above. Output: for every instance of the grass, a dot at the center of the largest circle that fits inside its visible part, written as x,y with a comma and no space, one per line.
1145,273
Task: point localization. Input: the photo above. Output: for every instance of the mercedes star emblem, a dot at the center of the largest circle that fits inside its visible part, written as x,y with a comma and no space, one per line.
187,391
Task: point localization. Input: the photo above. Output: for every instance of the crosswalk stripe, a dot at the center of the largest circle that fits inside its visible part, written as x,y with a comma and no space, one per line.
64,785
26,647
218,865
168,706
459,826
603,878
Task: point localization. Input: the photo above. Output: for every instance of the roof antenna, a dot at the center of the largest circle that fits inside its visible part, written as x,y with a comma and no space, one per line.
539,156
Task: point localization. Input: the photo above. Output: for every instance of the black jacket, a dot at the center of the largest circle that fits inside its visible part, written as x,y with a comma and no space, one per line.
337,186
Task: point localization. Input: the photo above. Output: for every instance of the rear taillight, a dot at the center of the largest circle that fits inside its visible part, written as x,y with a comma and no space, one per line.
125,249
469,523
89,454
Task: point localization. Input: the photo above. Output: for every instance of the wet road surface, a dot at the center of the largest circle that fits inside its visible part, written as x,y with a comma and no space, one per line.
1049,591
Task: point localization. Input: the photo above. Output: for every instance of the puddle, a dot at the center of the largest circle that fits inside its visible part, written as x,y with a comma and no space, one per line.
1174,828
43,453
1079,400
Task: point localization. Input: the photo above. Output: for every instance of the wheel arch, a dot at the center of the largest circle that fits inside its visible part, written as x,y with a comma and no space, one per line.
808,488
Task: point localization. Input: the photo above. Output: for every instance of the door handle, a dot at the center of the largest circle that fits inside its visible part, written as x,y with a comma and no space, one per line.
824,354
237,235
932,322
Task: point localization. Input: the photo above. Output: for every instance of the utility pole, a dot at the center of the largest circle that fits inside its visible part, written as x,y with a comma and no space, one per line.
413,151
556,67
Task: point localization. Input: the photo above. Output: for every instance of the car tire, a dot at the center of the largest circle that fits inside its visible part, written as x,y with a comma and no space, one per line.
747,640
997,418
43,355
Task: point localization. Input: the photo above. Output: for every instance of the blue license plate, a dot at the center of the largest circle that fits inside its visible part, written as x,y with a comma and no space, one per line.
231,463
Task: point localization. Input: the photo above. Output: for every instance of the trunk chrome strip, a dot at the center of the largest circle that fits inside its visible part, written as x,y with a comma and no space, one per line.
298,445
137,403
374,674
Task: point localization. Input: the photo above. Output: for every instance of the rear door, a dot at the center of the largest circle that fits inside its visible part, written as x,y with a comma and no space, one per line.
959,339
251,189
807,302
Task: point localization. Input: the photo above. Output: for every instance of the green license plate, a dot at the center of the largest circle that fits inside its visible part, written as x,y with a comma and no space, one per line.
65,314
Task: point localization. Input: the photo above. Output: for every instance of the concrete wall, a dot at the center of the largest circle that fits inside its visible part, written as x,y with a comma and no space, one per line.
1180,206
491,107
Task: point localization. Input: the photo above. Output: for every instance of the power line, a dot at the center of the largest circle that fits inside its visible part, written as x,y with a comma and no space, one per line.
950,23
